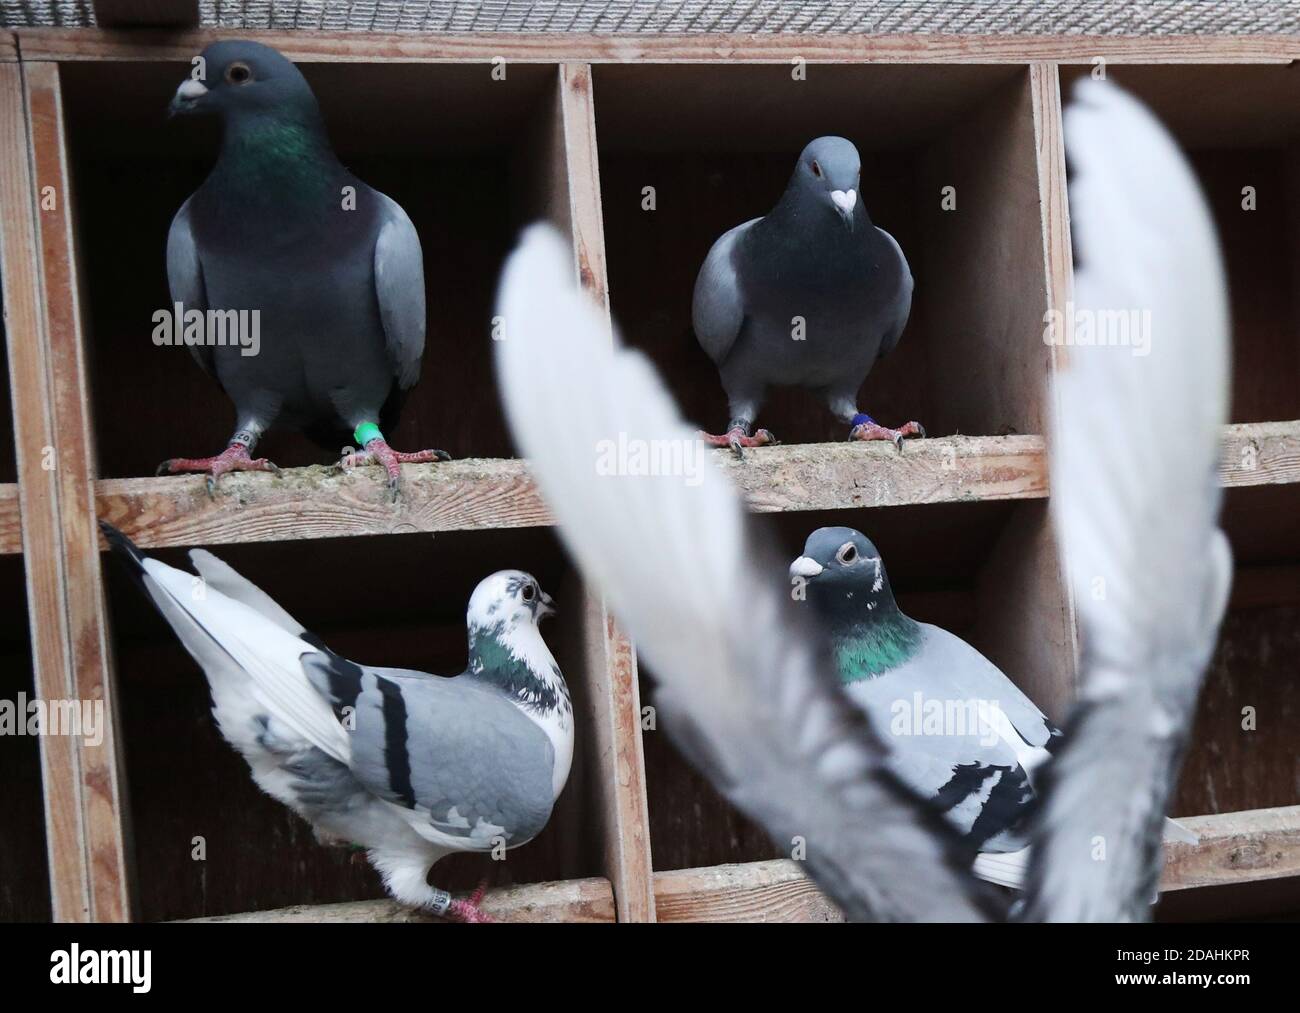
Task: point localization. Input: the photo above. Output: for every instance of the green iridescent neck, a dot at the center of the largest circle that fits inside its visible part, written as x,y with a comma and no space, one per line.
870,649
277,158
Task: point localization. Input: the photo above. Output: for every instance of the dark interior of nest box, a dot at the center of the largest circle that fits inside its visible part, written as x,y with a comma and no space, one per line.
718,144
1230,765
398,602
448,143
1241,128
940,559
24,872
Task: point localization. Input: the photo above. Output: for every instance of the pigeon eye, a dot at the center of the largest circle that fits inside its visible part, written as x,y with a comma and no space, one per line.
847,554
239,73
816,168
528,593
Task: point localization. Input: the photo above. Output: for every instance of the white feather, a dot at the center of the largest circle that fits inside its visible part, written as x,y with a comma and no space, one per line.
261,649
1135,499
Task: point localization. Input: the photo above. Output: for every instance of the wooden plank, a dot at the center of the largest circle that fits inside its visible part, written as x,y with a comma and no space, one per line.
1235,848
146,13
11,528
480,494
611,658
33,425
575,47
775,891
8,47
574,900
84,795
1028,625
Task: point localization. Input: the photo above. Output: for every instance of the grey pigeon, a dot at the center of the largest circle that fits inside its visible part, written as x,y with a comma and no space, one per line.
333,267
809,295
959,731
410,766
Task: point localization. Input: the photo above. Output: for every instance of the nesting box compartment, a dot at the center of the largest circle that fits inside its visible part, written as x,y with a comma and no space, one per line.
963,163
718,145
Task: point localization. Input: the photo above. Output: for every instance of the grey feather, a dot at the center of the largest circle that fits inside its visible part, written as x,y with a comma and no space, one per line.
399,284
185,277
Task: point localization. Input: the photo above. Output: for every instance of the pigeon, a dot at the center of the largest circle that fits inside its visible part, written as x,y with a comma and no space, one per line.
409,766
960,732
746,686
333,268
1135,434
809,295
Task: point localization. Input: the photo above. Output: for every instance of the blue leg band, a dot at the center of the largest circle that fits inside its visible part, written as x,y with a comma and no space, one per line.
861,419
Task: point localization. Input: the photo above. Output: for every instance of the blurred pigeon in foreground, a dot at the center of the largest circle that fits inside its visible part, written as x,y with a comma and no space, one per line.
334,268
1135,499
745,690
809,295
748,692
959,731
410,766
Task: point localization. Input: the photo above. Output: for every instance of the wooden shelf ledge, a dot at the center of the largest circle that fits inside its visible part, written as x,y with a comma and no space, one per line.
1235,848
573,900
482,494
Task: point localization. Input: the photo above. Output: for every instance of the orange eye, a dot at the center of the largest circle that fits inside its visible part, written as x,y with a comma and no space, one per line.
239,73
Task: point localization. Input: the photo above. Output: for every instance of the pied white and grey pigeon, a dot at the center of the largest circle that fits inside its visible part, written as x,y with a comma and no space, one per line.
410,766
959,732
812,294
333,267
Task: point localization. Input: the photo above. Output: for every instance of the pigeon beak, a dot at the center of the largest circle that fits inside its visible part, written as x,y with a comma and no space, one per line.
187,97
845,202
805,567
545,606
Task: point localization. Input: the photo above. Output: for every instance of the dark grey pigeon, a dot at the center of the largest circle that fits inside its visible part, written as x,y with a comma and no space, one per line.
410,766
810,295
333,267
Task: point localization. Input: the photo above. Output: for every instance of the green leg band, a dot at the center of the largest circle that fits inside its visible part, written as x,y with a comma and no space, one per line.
366,432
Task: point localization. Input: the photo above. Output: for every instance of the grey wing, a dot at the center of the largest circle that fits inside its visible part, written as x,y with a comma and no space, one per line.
957,669
399,285
718,309
901,308
449,748
185,277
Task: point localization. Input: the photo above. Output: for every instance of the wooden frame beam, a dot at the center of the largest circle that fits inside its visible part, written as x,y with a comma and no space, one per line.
479,494
571,900
146,13
573,47
84,800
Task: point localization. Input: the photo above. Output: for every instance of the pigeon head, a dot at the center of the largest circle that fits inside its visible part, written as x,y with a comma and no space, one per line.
506,599
829,171
843,573
238,78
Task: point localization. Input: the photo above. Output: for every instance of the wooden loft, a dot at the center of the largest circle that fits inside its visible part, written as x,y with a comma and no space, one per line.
579,136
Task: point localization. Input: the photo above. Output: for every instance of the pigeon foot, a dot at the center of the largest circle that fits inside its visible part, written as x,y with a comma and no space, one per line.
871,431
234,458
468,910
737,439
379,452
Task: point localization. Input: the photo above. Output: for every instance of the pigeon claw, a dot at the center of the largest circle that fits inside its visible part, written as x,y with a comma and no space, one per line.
468,910
737,439
233,458
870,431
379,452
